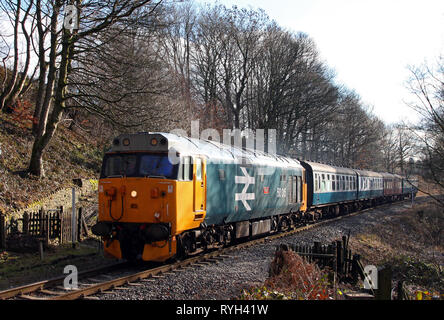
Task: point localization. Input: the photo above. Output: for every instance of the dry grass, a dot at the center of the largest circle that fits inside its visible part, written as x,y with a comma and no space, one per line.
411,242
291,277
69,155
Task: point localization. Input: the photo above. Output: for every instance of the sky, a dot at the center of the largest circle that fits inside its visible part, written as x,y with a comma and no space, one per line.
368,44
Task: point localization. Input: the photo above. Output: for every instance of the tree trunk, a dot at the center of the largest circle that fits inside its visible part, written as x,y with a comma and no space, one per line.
46,133
4,96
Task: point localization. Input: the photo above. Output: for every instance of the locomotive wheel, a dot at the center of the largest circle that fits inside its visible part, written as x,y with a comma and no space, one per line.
184,246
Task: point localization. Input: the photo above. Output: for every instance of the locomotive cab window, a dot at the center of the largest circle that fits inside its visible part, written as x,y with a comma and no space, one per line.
138,165
185,170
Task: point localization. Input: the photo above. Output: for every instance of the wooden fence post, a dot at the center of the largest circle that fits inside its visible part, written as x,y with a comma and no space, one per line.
25,226
384,291
339,256
73,218
40,223
79,225
47,230
41,249
61,234
2,232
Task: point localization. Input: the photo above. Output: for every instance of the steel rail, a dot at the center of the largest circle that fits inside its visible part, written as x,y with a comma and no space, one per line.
50,283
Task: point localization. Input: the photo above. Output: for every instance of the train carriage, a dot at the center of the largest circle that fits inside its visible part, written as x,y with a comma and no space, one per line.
328,185
392,185
370,185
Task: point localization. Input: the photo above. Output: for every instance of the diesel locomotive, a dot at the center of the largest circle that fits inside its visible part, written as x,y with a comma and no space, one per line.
163,196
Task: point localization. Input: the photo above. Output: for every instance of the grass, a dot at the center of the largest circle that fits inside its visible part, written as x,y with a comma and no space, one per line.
411,243
69,155
21,268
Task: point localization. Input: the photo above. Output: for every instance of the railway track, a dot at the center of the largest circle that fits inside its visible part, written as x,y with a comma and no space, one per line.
98,281
23,292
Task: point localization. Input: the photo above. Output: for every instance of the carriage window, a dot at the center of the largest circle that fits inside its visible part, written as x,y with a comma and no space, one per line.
299,188
198,169
186,172
222,174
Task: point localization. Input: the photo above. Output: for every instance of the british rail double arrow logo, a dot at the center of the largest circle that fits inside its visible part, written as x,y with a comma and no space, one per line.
246,179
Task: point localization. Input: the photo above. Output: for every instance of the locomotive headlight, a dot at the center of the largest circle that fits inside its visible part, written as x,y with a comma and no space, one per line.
133,193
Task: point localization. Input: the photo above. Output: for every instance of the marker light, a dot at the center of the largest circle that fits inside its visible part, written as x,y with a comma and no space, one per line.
154,142
126,142
155,193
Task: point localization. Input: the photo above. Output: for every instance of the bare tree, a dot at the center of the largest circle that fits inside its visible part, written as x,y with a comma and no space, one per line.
175,39
226,44
427,85
17,81
95,18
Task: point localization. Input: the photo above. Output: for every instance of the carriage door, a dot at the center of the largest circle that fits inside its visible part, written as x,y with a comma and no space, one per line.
299,189
199,182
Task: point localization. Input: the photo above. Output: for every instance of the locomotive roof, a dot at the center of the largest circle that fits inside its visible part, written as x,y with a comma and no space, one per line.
213,150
